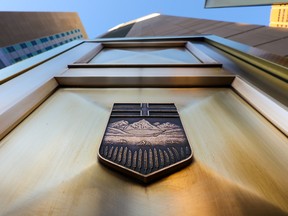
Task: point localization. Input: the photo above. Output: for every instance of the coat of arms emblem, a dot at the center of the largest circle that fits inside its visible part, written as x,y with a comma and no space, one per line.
145,140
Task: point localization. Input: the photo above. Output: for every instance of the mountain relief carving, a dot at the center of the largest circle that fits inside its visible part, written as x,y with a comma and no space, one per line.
143,130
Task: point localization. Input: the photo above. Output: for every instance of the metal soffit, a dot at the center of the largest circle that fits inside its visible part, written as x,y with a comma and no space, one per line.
239,3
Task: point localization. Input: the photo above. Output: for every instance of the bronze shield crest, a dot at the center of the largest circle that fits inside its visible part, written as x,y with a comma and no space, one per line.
145,140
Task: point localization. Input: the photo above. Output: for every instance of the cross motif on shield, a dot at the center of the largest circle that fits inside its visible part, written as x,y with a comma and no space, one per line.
145,140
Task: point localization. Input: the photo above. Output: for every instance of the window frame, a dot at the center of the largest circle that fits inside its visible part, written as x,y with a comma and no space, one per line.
205,60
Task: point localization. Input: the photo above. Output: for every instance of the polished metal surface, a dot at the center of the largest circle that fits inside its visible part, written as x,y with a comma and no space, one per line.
145,77
237,3
49,166
273,111
22,94
271,64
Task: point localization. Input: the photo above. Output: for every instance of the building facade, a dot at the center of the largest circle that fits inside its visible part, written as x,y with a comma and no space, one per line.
232,101
262,37
279,16
26,34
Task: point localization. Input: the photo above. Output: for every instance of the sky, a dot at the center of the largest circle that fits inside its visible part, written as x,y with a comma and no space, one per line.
99,16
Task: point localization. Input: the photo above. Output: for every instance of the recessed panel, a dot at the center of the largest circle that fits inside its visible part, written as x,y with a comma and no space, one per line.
49,162
146,55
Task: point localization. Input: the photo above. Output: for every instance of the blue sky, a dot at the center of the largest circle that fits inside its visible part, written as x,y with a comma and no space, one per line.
99,16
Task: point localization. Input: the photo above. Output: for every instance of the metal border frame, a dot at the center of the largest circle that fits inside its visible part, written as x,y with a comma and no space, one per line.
241,3
205,60
19,68
28,98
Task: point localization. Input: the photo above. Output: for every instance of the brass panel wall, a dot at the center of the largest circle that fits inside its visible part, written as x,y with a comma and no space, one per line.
48,164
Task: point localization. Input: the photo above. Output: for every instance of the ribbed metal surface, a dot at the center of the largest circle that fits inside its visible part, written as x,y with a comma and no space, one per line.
146,159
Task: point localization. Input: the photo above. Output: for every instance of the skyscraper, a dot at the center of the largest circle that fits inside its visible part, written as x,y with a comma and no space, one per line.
26,34
130,94
279,16
265,38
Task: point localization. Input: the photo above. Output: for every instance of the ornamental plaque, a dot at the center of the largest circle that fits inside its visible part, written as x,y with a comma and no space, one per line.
145,140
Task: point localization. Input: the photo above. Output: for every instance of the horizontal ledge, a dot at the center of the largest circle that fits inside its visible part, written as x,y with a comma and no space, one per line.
159,44
84,65
163,81
240,3
269,63
139,116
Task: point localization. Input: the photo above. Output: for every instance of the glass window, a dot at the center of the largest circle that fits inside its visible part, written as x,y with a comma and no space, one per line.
43,40
10,49
48,48
18,59
2,65
23,45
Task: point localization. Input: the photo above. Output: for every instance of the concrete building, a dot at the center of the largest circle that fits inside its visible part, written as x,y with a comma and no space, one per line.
232,100
279,16
26,34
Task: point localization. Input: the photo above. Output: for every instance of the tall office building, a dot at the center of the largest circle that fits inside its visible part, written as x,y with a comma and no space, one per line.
26,34
81,125
263,37
279,16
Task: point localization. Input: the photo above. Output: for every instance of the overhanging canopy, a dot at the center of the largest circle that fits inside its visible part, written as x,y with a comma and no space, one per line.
238,3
